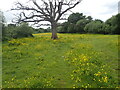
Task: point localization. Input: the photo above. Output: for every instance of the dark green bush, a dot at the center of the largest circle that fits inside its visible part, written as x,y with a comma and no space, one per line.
23,31
12,31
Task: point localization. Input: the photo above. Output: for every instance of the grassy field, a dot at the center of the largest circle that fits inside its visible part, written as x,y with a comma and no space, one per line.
72,61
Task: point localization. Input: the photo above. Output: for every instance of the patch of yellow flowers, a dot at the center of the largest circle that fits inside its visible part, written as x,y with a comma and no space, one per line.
16,42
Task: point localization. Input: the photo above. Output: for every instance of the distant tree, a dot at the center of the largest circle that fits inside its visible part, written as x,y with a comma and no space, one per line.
71,28
11,25
60,30
74,17
8,32
114,24
64,28
96,27
48,29
117,31
111,21
89,18
46,10
98,20
80,25
106,29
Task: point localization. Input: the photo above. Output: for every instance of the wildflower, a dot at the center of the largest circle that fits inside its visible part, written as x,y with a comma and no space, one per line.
99,80
104,79
87,63
94,79
73,86
97,74
75,59
12,79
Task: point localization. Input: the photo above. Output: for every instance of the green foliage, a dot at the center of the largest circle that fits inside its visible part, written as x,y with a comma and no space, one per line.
89,18
42,30
114,24
79,28
73,18
118,24
23,31
64,27
98,20
71,28
73,61
76,23
8,32
60,29
79,23
97,27
13,31
48,29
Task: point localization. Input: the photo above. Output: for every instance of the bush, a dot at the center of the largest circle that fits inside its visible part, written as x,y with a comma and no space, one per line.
23,31
12,31
7,32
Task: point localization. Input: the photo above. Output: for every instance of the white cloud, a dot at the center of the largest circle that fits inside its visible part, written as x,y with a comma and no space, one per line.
98,9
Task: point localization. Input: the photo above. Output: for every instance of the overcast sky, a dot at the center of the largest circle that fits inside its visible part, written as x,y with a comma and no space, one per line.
98,9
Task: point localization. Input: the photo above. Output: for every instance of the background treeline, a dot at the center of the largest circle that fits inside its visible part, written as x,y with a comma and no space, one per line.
76,23
13,31
79,23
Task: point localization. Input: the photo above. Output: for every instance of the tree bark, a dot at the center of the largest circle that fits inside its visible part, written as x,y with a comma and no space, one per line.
54,30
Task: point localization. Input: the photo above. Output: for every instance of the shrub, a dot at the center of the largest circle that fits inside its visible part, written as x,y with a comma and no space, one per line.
8,32
23,31
12,31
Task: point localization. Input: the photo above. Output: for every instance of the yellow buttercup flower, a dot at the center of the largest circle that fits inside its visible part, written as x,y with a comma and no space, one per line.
105,79
97,74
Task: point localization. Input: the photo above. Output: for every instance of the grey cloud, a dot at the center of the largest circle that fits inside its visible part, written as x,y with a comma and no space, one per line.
110,8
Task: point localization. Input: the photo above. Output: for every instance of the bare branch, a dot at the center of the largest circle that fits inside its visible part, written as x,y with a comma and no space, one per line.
70,7
49,10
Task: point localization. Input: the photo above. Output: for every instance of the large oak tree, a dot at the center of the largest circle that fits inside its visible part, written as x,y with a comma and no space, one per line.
44,10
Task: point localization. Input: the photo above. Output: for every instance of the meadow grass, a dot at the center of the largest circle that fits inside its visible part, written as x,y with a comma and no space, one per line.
72,61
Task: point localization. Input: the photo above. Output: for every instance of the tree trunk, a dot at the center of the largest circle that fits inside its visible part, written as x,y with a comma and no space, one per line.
54,30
